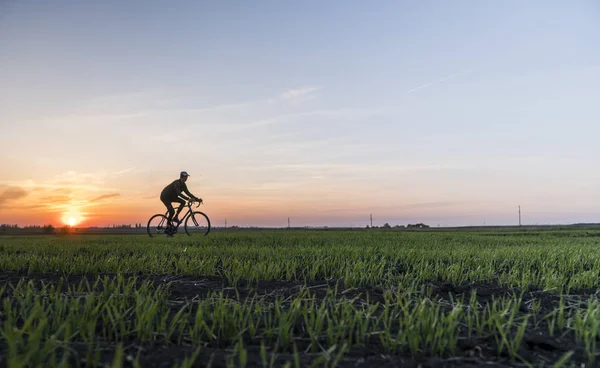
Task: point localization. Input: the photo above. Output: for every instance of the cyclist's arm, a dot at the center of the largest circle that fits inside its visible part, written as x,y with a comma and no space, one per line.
190,194
185,189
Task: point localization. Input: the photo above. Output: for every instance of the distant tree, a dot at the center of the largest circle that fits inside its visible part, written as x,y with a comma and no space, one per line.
386,226
48,229
420,225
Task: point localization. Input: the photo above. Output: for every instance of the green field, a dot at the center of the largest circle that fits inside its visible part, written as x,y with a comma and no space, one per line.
302,298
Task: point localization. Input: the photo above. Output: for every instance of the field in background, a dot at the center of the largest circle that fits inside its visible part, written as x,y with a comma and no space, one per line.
129,229
328,298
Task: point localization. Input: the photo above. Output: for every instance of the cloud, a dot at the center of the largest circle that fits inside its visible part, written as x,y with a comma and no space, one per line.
144,103
12,194
71,181
437,81
435,204
340,113
105,196
337,169
64,185
128,101
116,109
68,190
55,199
299,92
121,172
230,106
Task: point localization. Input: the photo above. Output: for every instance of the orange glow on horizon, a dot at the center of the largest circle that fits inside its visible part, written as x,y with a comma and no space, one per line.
72,217
312,205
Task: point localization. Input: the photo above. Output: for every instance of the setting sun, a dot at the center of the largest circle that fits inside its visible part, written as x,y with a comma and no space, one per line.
72,218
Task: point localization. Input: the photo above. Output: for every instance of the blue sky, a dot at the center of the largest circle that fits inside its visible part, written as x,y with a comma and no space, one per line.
450,113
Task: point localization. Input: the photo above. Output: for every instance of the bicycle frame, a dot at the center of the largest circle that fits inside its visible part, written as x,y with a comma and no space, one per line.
189,211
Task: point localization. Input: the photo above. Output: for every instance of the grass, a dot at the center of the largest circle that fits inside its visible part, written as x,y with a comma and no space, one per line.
60,323
358,258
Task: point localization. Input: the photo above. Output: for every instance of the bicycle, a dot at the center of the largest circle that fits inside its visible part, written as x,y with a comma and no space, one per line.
200,222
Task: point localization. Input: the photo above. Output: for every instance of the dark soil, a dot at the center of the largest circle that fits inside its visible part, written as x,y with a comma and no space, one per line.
538,348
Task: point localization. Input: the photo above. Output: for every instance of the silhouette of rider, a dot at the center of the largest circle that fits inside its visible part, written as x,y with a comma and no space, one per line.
174,193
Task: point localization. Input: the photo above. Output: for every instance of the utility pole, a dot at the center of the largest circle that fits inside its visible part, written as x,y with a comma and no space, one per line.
288,222
225,222
519,215
371,216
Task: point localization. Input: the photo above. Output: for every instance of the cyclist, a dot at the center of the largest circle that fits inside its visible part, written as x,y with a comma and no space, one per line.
174,193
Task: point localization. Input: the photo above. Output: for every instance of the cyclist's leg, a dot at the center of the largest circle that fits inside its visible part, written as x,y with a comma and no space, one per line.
170,208
181,205
167,203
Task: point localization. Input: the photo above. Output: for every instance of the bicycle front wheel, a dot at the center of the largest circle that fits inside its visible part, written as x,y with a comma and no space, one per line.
197,223
157,225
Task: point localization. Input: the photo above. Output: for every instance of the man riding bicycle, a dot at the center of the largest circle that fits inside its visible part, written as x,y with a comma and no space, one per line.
174,193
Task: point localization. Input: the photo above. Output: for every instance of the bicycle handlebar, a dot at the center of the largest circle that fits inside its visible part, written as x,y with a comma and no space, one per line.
191,202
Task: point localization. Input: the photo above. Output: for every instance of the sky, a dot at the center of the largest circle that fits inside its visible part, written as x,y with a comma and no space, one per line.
449,113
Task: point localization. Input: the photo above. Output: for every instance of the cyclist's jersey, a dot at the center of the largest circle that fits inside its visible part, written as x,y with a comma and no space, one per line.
173,190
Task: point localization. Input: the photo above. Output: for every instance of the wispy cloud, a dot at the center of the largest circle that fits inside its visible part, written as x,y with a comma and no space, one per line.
220,107
424,205
129,100
12,194
429,84
120,107
397,207
335,169
341,113
49,200
68,193
299,92
121,172
341,171
288,95
68,185
105,196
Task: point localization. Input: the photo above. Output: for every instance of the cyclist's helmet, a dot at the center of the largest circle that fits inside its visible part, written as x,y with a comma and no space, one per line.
183,173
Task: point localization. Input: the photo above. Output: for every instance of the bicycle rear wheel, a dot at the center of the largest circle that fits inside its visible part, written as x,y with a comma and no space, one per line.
197,223
157,225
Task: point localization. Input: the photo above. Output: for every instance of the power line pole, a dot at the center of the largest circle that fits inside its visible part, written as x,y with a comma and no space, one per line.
288,222
371,216
225,222
519,215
